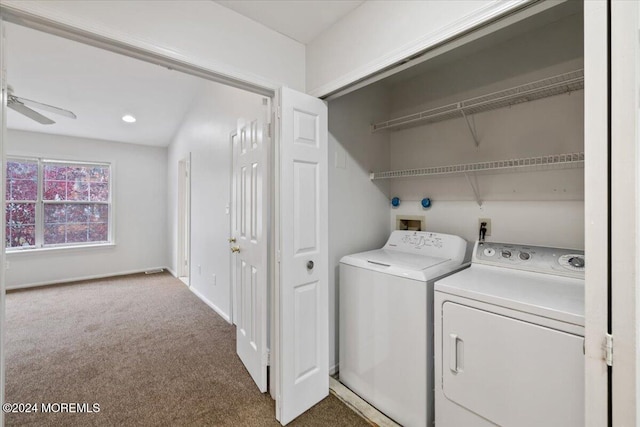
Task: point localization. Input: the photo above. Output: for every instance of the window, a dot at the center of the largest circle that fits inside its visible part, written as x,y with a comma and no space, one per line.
52,203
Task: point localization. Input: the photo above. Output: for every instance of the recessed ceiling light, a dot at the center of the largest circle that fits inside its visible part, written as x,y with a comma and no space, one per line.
128,118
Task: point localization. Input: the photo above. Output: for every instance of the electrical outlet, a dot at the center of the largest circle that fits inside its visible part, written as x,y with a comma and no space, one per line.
488,221
214,279
7,265
199,269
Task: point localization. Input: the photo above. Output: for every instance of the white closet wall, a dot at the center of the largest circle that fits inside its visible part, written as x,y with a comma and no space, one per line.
544,208
358,207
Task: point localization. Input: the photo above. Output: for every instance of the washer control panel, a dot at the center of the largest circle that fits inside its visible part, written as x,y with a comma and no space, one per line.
563,262
427,243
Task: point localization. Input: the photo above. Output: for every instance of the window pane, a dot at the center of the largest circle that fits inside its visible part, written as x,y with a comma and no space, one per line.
75,223
22,189
98,192
77,233
55,190
76,182
98,232
22,180
55,172
22,169
54,234
77,190
99,174
20,224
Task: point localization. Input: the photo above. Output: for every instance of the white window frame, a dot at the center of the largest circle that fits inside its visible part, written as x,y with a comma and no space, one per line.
40,203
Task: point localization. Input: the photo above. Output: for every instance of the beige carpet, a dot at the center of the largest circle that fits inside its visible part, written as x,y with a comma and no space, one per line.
144,348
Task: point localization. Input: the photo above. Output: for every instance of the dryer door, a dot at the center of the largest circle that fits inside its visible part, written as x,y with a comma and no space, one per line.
511,372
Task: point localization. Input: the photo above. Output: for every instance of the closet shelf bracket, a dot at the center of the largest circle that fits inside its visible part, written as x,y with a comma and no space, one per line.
474,187
471,125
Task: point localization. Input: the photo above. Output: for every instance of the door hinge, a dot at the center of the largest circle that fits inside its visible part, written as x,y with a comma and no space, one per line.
608,349
266,356
278,257
278,111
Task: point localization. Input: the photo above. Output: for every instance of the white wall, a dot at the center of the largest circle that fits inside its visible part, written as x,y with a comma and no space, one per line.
205,133
139,199
358,207
379,34
544,223
202,33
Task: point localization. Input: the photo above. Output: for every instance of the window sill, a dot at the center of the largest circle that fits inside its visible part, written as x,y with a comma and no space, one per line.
78,248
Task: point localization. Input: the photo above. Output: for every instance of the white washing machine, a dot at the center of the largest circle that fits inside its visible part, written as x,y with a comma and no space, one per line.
386,321
509,339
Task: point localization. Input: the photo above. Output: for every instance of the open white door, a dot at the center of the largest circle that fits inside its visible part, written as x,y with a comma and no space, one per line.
302,245
250,211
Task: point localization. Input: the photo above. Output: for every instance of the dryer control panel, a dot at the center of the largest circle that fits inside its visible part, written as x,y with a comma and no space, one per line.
561,262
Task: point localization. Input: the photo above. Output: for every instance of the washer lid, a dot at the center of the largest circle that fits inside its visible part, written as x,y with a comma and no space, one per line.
399,259
402,264
546,295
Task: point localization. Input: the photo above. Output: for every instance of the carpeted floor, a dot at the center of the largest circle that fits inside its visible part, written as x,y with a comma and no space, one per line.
144,348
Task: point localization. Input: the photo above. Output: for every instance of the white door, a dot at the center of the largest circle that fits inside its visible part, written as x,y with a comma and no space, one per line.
511,372
302,246
250,227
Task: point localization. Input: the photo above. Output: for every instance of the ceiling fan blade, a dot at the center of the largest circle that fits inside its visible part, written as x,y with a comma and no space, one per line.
20,108
50,108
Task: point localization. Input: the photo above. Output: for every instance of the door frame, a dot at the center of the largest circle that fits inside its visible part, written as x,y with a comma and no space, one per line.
597,215
233,298
624,134
184,219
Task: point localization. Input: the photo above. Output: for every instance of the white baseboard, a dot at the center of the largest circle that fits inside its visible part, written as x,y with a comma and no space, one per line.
170,270
82,278
334,369
215,308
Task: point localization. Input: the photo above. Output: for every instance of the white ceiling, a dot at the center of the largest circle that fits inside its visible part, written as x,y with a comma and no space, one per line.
301,20
98,86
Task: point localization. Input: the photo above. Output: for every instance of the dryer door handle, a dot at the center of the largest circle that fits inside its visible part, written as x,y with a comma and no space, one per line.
453,352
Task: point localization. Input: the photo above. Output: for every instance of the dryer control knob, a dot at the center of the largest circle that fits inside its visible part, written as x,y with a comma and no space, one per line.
489,252
506,254
576,262
524,256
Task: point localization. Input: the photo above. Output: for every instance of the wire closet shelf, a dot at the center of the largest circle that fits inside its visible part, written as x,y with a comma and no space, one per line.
556,85
529,164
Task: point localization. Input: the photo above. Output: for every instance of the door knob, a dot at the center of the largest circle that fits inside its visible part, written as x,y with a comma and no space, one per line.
232,240
309,265
235,249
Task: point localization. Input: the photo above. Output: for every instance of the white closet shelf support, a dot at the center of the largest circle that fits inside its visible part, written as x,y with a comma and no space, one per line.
556,85
529,164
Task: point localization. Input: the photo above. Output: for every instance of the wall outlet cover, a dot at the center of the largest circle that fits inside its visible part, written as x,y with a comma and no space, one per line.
488,221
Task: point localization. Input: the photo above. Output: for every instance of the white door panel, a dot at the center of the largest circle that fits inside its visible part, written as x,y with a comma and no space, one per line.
250,216
511,372
303,244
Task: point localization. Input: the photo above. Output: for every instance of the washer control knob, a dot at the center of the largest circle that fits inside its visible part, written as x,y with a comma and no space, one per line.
576,261
489,252
506,254
525,256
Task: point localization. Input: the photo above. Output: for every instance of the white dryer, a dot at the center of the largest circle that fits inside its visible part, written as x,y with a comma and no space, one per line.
386,321
509,339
